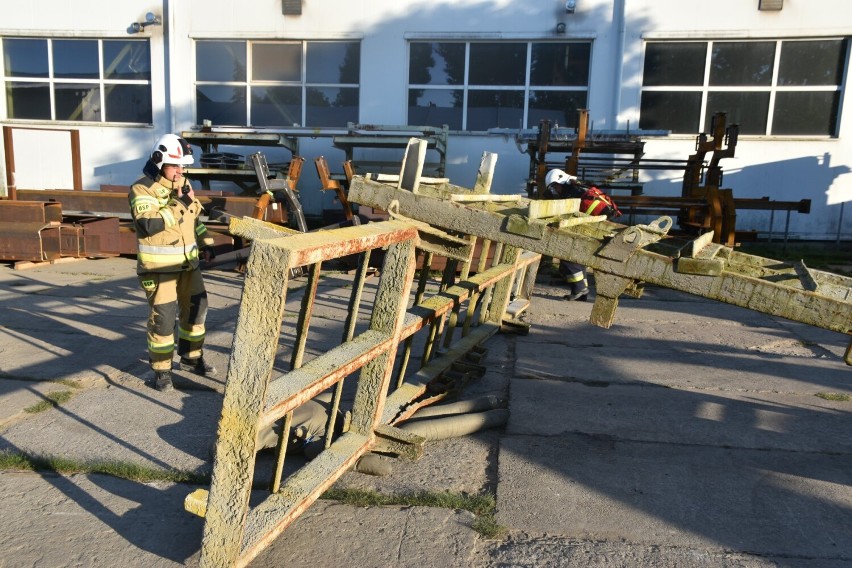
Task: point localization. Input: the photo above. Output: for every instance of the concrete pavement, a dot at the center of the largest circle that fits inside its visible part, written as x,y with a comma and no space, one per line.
688,434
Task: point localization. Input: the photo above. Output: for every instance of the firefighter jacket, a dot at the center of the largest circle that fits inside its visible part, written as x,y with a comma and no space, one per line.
593,201
168,231
596,202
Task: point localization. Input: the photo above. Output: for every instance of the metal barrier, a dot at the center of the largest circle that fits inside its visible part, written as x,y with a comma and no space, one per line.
387,390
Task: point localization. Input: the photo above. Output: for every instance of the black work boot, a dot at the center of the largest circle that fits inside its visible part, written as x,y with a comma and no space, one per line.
579,291
197,366
163,381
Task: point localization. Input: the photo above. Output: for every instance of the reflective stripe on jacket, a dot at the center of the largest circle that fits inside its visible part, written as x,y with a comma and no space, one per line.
596,202
168,231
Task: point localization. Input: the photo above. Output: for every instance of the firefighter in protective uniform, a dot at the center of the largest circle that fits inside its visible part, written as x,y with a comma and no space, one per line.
562,185
170,242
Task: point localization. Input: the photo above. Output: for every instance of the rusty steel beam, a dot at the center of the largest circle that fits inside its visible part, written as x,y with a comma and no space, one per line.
91,202
79,237
23,211
98,236
30,240
114,203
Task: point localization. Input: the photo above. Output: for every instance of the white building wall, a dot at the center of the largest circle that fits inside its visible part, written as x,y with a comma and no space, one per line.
789,169
818,168
109,155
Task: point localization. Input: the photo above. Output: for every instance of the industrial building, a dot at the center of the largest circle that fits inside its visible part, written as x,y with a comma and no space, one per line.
89,86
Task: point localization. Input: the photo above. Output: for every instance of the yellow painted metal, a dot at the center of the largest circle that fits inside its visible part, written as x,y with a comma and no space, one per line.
756,283
234,532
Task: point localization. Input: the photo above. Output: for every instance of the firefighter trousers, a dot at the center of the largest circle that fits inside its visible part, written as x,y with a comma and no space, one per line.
174,295
575,276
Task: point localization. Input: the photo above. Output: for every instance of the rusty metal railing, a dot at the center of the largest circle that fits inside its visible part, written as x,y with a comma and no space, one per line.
446,319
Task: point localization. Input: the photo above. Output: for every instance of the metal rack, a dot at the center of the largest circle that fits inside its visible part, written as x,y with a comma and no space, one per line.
244,175
395,138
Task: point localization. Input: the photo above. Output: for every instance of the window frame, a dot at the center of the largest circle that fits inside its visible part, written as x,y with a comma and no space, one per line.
526,89
303,84
101,82
706,89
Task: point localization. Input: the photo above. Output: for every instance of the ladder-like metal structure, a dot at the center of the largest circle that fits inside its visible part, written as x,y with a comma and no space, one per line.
623,258
435,217
377,355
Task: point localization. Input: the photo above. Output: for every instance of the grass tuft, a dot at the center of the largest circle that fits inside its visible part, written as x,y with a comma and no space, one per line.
70,383
836,396
488,527
124,470
482,505
51,400
10,461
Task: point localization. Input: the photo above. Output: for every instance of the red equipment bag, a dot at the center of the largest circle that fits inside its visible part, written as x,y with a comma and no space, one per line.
596,202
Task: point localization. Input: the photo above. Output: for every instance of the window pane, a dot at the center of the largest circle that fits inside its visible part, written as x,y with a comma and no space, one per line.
560,64
276,62
78,102
276,106
677,112
495,109
75,59
435,107
558,107
25,57
128,103
750,110
333,62
742,63
330,106
28,100
436,64
127,60
669,64
220,61
811,62
221,104
497,64
798,113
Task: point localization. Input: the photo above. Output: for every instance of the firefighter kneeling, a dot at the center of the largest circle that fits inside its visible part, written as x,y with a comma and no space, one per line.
560,185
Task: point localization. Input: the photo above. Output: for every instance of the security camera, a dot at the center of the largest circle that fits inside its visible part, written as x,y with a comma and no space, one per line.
570,6
151,19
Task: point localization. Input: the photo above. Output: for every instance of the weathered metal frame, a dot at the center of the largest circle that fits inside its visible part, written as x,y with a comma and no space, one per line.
234,533
751,282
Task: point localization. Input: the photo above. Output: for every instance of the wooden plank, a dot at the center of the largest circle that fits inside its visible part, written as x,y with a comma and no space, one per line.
485,174
412,165
542,208
472,197
695,245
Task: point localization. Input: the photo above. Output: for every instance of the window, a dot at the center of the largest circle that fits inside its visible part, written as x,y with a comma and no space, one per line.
79,80
277,83
768,87
477,86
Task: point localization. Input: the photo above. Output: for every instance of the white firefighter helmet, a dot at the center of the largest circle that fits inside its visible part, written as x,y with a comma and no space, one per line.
172,149
557,176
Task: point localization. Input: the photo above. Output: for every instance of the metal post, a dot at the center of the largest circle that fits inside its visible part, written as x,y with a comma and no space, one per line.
771,223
